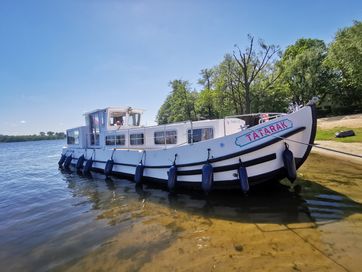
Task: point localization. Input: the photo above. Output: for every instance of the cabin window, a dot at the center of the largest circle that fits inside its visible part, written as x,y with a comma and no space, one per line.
169,138
200,134
120,140
137,139
110,140
134,119
116,139
94,128
117,118
101,117
73,137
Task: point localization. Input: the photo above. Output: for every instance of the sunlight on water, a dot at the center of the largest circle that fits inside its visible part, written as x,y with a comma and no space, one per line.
52,219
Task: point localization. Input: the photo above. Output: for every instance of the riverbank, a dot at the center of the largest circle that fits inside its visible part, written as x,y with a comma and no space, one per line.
345,121
27,138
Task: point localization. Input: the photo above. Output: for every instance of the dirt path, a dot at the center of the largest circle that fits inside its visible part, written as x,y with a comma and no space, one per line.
350,121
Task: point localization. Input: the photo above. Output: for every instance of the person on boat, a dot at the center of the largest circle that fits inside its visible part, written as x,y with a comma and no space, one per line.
119,123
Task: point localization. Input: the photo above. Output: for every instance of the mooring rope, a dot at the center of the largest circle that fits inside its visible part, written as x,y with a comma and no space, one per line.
322,147
316,145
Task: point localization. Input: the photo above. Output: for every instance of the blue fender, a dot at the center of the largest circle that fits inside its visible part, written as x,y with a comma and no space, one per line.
243,178
108,168
172,178
139,173
88,166
80,162
289,164
62,160
67,162
207,178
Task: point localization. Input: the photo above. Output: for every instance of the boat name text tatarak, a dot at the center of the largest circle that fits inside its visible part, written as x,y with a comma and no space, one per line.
263,132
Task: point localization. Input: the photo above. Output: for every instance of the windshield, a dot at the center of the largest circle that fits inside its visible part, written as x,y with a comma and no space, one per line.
134,119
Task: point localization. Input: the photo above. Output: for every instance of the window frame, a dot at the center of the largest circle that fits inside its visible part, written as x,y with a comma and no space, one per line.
164,138
73,137
135,140
201,134
112,138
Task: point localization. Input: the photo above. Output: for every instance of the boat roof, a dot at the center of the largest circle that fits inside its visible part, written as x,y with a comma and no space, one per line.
119,108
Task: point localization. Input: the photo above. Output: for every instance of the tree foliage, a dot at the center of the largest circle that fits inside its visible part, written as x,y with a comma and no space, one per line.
179,104
345,58
303,70
261,78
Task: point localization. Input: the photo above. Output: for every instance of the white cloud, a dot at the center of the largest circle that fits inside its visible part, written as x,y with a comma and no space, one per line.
22,122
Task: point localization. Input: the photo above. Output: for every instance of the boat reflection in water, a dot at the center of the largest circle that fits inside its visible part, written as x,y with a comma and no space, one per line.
308,202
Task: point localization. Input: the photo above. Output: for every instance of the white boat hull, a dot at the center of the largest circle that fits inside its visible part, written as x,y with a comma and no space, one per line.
260,148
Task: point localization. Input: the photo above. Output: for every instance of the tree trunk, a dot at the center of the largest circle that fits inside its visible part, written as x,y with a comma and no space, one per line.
247,99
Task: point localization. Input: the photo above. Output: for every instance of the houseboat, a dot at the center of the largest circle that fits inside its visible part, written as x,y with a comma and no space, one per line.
236,151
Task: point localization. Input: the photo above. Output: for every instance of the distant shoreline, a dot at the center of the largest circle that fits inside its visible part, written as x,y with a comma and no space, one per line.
28,138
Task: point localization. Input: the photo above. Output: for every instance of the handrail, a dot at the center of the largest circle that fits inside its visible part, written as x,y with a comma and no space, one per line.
256,114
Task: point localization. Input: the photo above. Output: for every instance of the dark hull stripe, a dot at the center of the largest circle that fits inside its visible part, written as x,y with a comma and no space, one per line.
231,166
274,175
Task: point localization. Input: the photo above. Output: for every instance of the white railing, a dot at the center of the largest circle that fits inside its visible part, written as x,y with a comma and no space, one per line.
253,119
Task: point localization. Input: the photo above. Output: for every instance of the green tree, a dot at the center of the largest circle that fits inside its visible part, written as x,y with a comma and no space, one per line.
206,104
303,70
345,58
228,87
179,104
206,78
270,98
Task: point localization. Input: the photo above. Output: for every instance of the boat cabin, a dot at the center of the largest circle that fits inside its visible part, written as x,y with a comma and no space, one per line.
120,128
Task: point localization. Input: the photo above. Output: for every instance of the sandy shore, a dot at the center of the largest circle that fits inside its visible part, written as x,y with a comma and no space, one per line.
350,121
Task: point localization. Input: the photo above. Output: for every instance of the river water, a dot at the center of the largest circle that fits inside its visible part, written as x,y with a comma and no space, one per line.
56,220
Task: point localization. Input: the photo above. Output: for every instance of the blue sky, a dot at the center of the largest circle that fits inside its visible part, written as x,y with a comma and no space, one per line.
59,59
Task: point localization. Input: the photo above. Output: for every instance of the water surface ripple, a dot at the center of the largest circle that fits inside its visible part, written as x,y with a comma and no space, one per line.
58,220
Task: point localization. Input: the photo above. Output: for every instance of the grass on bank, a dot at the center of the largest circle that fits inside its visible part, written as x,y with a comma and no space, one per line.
330,135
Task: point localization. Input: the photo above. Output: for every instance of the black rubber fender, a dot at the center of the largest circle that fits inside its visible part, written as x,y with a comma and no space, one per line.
80,163
243,178
68,161
172,178
139,174
289,164
207,178
62,160
108,168
87,167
